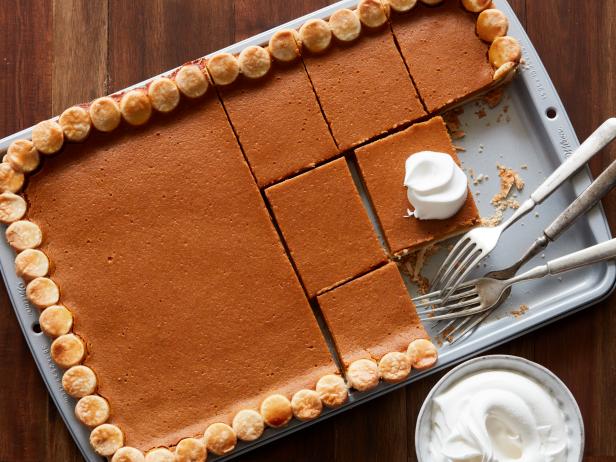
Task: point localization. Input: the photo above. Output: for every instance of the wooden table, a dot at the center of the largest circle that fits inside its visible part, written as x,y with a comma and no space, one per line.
56,53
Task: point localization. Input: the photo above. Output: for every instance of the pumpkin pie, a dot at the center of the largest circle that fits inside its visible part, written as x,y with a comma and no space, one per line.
325,226
167,259
363,87
371,316
278,122
382,167
443,53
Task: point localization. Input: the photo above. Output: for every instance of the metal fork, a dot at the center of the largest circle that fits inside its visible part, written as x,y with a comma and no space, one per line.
479,242
603,184
485,292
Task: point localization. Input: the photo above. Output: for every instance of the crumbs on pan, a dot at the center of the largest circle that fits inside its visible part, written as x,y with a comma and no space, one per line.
413,265
510,180
520,311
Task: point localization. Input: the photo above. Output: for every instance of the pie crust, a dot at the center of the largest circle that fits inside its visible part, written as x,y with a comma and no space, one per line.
352,48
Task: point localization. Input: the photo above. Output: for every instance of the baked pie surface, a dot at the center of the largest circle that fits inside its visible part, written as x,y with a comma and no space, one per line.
159,238
152,254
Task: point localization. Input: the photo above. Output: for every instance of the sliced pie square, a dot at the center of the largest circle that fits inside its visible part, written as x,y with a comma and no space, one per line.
371,315
445,57
278,122
382,167
364,87
325,226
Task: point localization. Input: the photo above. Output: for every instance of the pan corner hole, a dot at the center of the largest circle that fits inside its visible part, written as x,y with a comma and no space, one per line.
551,113
36,328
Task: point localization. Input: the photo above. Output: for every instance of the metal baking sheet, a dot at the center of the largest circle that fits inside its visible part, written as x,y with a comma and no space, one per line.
523,135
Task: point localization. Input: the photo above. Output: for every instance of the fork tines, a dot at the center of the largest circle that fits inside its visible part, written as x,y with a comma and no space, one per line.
462,258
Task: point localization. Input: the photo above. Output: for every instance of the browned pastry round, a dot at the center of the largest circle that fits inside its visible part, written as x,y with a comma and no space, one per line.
42,292
22,235
363,374
306,405
76,124
105,114
345,25
284,45
422,354
164,94
402,6
315,35
248,425
31,263
128,454
106,439
159,455
254,62
220,439
92,410
372,13
190,450
79,381
476,6
136,107
394,366
191,81
47,137
67,350
12,207
492,23
223,68
23,156
332,390
10,179
56,320
503,50
276,411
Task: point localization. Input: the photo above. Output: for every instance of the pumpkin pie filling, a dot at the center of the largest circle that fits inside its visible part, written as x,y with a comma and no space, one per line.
159,238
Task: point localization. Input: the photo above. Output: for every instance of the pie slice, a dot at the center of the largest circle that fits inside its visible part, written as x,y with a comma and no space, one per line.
278,122
363,87
371,316
177,281
382,167
447,60
325,226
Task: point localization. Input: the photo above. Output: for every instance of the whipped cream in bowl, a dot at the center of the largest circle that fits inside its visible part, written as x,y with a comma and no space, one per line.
499,409
436,186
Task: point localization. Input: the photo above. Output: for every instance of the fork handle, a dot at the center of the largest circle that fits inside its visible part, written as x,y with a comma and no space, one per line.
603,184
593,144
599,252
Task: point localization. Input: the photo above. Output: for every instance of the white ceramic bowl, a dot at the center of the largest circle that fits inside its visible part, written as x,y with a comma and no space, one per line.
568,405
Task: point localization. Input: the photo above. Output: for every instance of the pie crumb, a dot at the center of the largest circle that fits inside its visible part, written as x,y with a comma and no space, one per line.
509,179
520,311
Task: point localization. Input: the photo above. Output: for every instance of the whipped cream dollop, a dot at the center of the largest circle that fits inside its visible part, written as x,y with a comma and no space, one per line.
436,186
497,416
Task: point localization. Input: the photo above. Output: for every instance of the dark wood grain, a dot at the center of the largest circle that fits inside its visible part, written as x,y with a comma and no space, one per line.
58,52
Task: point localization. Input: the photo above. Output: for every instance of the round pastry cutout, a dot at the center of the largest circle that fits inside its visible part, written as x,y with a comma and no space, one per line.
276,411
128,454
79,381
315,35
422,353
224,68
191,81
345,25
42,292
220,439
12,207
56,320
332,390
306,405
22,156
106,439
67,350
248,425
76,124
159,455
190,450
363,374
22,235
394,367
164,94
136,107
254,62
92,410
10,179
105,114
47,137
31,263
372,13
491,24
284,45
503,50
